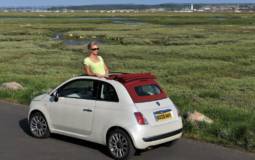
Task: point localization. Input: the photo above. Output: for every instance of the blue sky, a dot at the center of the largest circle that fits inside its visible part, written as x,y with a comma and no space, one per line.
5,3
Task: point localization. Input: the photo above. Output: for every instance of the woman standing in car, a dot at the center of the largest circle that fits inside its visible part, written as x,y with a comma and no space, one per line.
94,64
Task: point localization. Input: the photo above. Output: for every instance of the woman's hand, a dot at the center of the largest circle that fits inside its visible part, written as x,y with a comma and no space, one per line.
100,75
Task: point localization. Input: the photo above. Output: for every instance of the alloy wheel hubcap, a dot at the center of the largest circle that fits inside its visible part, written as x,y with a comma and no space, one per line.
118,145
38,125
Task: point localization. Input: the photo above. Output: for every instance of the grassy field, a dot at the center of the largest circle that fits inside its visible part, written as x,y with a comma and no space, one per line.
205,62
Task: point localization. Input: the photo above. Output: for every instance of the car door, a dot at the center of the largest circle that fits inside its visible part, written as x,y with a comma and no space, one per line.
74,109
107,106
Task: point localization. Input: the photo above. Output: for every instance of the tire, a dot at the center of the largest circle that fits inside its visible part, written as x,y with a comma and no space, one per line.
120,145
38,125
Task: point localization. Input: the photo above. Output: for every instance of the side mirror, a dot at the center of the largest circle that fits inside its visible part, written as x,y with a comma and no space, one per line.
55,96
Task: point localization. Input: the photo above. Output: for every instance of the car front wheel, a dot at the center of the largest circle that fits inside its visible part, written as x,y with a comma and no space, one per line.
38,126
120,145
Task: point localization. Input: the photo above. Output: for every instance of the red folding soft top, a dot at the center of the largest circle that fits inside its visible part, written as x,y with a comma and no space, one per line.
128,77
133,80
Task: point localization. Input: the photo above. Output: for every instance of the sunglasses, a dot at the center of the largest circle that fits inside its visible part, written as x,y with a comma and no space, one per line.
94,49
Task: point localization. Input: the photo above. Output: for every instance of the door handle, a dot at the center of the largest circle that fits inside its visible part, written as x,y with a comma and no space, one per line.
86,110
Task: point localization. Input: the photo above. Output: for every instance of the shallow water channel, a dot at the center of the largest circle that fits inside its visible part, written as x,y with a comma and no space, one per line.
74,41
77,41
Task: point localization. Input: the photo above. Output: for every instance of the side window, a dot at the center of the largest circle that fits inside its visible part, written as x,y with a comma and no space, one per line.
81,89
108,93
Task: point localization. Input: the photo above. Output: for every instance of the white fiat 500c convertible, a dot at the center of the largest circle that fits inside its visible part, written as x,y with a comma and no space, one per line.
125,112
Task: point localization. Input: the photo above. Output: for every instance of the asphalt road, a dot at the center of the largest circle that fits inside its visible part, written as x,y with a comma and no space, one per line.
17,144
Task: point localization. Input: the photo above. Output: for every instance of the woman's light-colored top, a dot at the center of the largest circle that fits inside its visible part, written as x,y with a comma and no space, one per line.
95,67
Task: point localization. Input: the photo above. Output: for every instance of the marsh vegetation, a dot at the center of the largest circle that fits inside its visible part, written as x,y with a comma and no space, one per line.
205,62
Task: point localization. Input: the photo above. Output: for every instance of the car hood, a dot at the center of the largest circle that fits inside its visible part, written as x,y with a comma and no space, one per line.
40,97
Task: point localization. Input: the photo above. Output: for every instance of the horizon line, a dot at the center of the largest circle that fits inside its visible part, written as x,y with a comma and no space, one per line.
69,5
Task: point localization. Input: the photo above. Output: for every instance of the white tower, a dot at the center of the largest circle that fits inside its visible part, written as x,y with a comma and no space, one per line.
191,7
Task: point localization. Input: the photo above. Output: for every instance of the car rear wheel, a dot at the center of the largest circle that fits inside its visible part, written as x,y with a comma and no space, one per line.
120,145
38,126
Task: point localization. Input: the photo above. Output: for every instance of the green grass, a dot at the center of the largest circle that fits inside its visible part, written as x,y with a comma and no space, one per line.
205,62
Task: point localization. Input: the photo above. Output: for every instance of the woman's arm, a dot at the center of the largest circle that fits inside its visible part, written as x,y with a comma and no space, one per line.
88,71
106,69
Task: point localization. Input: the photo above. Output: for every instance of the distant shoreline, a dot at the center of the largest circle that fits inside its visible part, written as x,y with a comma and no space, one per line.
129,8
